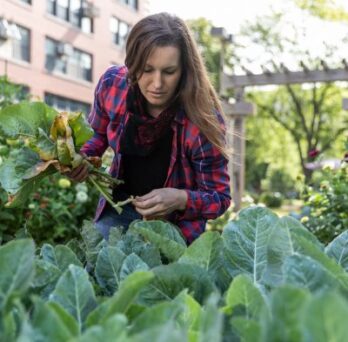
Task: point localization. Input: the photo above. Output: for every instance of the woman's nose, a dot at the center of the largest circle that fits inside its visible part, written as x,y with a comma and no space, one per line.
157,80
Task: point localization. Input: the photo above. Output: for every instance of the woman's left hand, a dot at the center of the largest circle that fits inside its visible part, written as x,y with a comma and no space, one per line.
160,202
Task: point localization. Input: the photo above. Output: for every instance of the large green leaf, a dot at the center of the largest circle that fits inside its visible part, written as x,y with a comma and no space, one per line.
25,119
132,242
325,318
52,323
286,305
306,272
338,249
206,252
122,299
168,332
46,277
13,169
60,256
75,293
107,269
131,264
17,269
114,329
82,131
93,241
156,315
171,279
162,234
243,292
43,146
246,242
211,321
12,173
283,242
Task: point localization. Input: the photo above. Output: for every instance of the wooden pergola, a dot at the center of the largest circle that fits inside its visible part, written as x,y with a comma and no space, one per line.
241,109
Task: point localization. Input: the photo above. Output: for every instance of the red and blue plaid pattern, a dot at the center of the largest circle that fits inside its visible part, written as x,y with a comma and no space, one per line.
195,165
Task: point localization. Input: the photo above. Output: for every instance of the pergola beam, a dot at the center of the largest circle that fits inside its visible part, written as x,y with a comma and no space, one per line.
280,78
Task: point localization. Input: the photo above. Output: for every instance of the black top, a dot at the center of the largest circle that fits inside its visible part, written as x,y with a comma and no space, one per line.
141,174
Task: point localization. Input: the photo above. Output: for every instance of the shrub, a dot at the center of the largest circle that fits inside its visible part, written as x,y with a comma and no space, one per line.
328,204
271,199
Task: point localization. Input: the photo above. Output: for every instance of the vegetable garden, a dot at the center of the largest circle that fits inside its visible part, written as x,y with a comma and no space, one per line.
263,278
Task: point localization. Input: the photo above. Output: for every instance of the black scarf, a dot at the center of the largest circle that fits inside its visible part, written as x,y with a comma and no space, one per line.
143,132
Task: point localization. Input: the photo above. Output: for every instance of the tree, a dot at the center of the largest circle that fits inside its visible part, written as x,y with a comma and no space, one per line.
10,92
311,114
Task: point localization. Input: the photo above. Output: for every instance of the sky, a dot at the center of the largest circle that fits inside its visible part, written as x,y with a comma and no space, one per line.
232,14
226,13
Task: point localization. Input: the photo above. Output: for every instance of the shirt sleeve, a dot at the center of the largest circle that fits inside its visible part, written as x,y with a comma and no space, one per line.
212,196
99,121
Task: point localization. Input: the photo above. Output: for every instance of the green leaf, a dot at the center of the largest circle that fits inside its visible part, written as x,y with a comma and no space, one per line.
25,119
13,169
243,292
81,129
45,273
131,264
325,318
206,252
60,256
156,315
246,242
306,272
17,269
75,293
338,250
122,299
132,242
52,323
93,241
285,321
107,269
247,329
171,279
114,329
163,235
190,316
43,146
170,331
211,321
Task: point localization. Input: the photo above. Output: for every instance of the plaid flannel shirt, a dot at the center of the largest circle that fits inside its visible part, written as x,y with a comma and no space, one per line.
195,164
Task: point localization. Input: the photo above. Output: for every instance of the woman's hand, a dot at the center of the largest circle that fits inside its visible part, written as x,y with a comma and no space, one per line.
79,174
160,202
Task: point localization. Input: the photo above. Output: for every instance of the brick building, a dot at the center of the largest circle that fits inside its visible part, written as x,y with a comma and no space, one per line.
59,48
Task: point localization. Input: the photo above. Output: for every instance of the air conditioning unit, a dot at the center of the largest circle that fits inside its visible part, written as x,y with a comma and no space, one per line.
88,10
65,49
4,29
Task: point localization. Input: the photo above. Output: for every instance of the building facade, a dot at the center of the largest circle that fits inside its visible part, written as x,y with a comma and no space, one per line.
58,49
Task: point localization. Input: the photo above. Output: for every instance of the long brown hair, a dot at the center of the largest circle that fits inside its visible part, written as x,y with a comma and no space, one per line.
195,92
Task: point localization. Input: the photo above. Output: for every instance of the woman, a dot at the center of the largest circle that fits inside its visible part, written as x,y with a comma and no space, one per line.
162,118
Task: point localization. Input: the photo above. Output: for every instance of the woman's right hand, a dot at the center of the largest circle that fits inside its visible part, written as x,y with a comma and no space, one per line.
79,174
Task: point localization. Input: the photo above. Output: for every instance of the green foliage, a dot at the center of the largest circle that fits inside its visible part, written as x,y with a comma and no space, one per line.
10,92
324,9
328,204
271,199
268,261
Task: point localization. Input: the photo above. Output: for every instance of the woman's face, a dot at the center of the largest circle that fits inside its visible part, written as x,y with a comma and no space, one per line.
161,76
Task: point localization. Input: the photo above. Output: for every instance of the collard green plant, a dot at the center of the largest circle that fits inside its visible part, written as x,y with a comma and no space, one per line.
282,285
52,143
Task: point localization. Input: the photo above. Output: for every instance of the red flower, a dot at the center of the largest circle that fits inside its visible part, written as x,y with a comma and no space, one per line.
313,153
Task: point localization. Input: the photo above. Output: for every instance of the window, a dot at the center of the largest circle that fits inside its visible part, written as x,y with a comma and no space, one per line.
119,30
72,11
131,3
26,1
65,59
67,105
14,41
